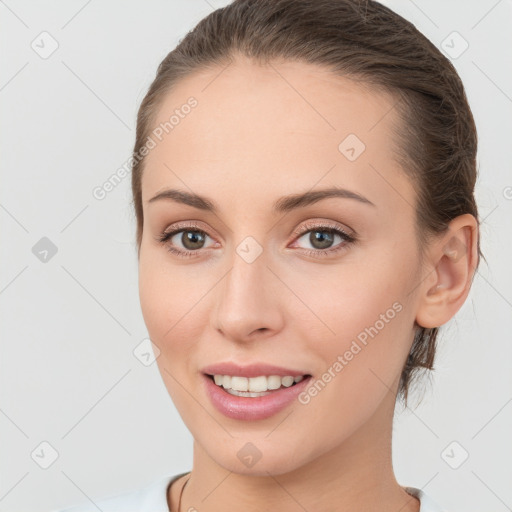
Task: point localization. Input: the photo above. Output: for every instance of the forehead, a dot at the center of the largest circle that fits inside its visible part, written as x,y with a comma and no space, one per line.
273,127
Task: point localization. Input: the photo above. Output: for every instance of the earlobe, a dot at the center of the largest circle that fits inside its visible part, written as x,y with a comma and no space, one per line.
452,265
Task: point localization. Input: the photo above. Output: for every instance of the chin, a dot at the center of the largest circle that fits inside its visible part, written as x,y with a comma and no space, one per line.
256,456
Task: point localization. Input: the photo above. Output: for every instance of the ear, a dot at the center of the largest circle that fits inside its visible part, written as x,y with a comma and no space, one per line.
451,265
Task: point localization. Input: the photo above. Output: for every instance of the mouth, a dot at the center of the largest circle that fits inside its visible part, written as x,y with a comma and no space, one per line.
255,387
253,391
250,398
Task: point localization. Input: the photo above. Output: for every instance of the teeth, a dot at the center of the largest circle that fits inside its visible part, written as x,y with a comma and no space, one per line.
259,384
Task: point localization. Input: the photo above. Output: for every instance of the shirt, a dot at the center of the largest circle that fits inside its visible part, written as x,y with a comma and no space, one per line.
153,498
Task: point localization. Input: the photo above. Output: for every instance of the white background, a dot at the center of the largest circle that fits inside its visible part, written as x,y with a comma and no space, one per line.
69,325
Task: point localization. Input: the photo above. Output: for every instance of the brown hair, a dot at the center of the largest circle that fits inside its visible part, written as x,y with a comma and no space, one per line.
368,42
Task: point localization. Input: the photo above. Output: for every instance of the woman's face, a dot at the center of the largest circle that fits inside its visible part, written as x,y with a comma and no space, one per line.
266,280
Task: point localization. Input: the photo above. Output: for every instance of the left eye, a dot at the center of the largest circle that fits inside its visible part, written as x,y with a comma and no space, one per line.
323,238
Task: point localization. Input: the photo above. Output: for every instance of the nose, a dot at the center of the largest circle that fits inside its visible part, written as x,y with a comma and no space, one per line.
248,302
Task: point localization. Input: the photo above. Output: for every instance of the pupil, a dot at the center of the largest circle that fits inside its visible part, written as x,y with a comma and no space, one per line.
192,239
324,238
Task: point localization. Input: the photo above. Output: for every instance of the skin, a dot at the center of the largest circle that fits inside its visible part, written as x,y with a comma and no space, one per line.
260,132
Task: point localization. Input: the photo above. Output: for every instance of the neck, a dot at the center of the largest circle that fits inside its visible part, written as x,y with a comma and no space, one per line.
355,475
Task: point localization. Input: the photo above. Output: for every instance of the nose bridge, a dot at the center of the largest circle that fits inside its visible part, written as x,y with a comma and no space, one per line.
245,301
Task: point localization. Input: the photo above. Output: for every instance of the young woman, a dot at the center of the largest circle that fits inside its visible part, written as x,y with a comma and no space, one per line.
303,182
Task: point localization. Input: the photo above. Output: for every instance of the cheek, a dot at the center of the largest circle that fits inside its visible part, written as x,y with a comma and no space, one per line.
164,308
163,302
173,307
363,359
363,316
153,299
350,299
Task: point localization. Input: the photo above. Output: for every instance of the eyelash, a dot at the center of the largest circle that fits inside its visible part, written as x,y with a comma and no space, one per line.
310,226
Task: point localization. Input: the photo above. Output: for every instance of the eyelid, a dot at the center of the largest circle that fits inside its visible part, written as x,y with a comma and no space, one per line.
304,228
317,224
183,226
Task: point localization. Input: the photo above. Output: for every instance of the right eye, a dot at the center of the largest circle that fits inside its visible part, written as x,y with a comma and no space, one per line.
183,241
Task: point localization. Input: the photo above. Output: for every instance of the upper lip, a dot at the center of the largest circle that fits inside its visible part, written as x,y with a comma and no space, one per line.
251,370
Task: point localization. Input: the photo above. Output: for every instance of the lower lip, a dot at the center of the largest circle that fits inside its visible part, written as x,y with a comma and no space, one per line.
257,408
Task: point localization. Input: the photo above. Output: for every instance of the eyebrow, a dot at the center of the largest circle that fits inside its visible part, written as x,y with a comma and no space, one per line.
283,205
